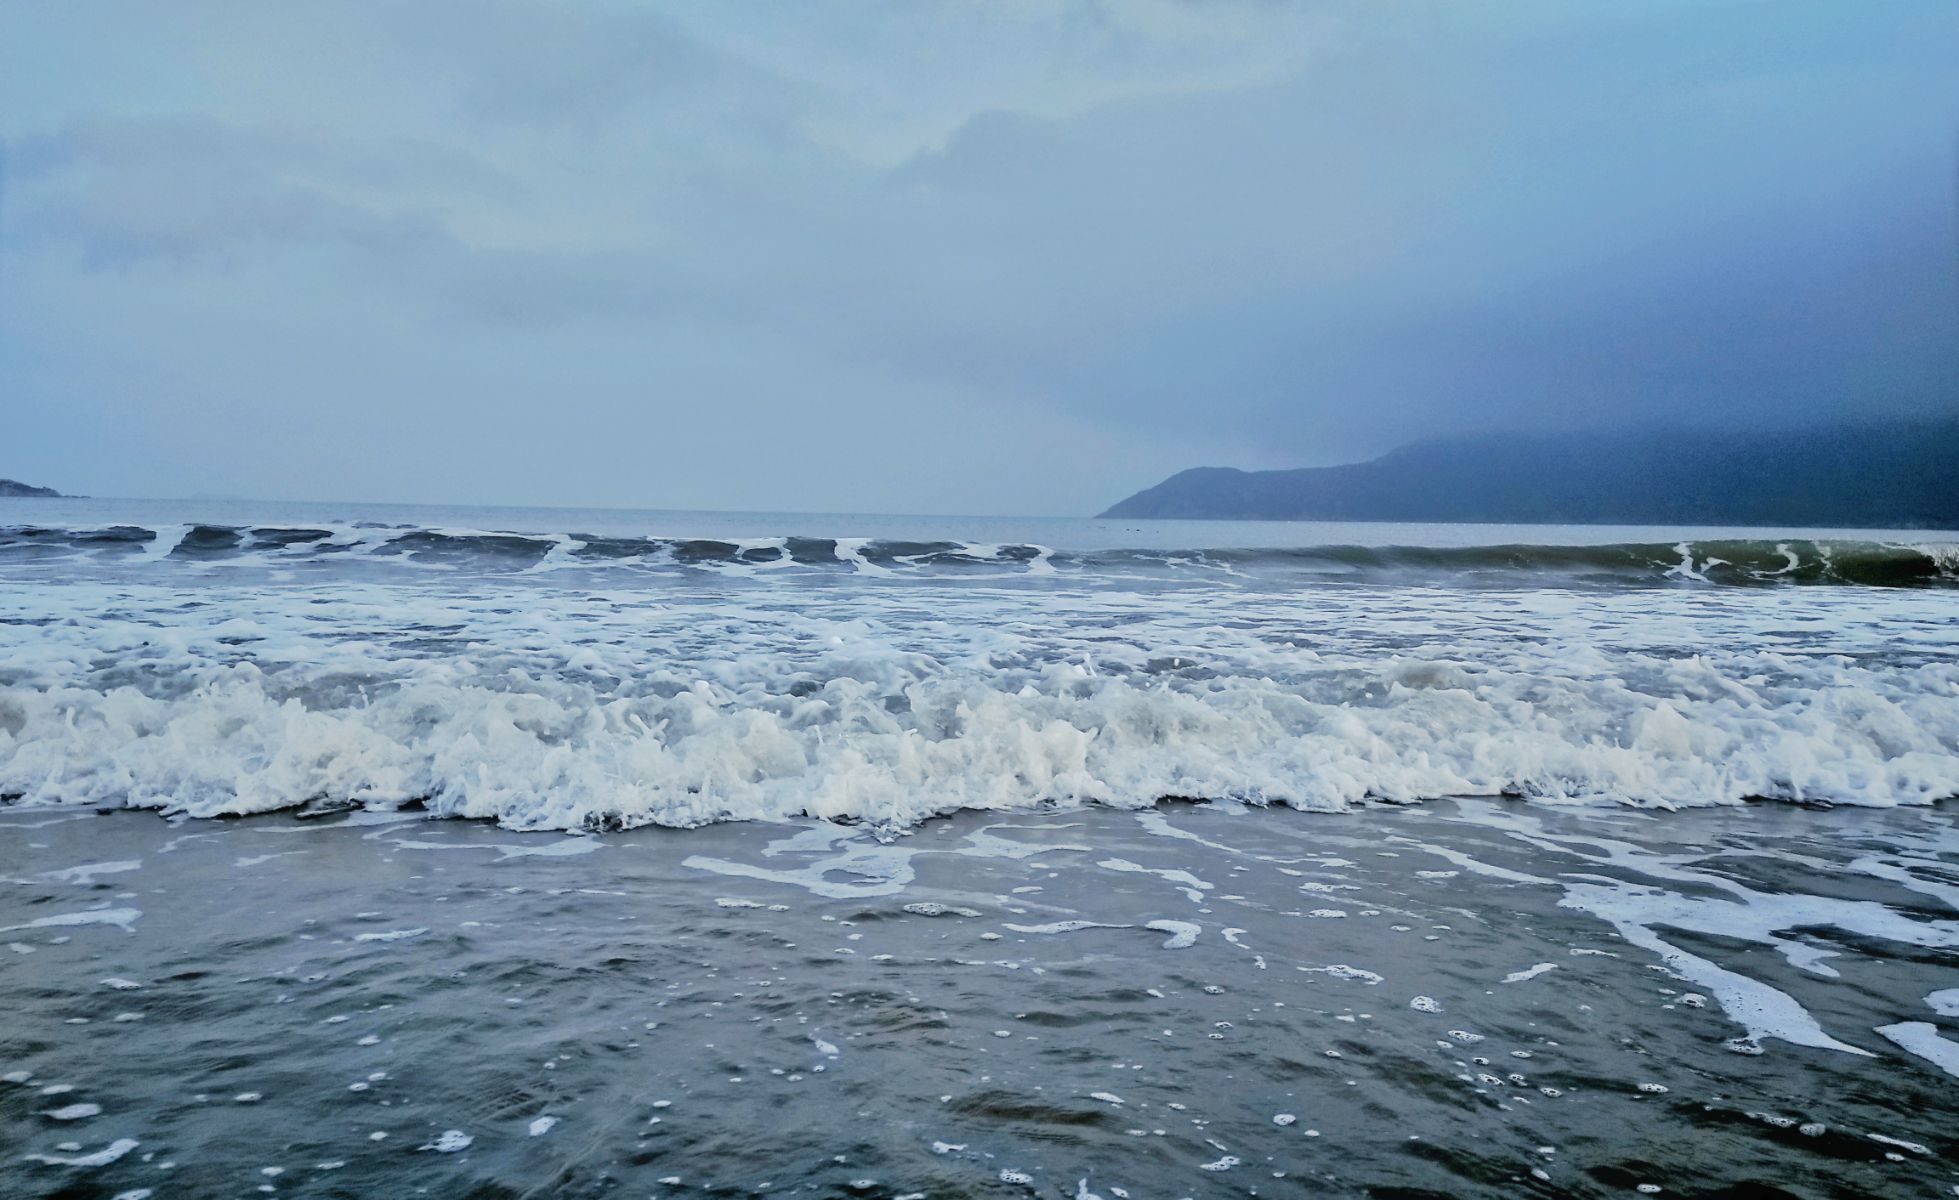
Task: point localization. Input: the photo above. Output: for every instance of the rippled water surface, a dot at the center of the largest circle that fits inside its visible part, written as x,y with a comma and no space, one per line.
1462,999
833,856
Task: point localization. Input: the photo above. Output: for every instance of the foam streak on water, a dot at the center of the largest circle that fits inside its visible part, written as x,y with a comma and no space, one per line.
1516,1000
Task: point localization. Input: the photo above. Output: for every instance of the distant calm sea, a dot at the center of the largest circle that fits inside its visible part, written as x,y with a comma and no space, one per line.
599,669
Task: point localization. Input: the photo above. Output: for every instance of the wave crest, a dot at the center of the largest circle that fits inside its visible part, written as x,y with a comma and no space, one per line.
894,736
1736,562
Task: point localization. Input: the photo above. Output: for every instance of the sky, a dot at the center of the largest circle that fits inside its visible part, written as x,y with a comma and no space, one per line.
1013,257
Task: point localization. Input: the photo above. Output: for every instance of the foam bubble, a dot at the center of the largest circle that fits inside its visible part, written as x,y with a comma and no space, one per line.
100,1158
1069,926
1922,1038
932,908
1344,971
85,874
122,918
1183,934
73,1112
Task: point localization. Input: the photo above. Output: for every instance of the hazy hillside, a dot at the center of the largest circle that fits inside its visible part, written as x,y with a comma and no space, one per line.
1900,475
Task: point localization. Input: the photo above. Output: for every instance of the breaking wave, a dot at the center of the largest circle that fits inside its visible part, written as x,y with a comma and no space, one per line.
570,709
1764,562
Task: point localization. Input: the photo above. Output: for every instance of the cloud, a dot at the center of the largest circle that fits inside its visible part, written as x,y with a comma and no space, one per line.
1266,233
129,191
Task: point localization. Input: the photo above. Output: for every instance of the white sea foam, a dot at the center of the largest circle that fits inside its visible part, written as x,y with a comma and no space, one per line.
73,1112
1190,885
122,918
100,1158
1345,971
769,704
168,538
1529,972
1922,1038
560,849
1639,912
1183,934
85,873
1072,926
1914,1147
932,908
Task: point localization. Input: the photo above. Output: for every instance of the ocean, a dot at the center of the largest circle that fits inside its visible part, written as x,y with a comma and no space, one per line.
898,856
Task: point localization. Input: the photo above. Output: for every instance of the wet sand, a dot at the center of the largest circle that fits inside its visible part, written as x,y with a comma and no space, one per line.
1455,999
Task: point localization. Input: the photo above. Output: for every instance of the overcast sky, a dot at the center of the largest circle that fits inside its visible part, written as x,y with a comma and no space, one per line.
1020,256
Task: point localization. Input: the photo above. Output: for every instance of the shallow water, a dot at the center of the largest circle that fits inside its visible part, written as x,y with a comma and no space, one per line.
1465,998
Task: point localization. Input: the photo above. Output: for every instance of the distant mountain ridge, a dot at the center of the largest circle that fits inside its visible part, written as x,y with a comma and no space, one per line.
10,487
1902,475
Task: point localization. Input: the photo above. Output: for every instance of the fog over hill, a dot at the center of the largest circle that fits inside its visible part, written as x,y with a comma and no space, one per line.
1877,475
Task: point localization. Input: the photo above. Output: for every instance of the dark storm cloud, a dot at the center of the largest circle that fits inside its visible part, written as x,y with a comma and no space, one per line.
1022,257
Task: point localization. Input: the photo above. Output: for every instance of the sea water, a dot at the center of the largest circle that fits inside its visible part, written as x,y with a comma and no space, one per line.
573,670
888,856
